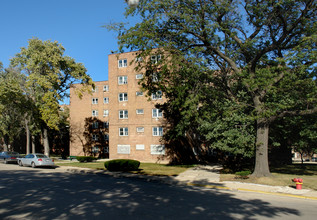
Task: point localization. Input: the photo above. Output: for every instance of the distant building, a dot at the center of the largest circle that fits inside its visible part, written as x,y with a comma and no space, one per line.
117,120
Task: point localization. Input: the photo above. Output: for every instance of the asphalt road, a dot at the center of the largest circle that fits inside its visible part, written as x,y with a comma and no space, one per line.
27,193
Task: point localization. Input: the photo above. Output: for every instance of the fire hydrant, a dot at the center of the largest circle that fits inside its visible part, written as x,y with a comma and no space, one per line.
299,182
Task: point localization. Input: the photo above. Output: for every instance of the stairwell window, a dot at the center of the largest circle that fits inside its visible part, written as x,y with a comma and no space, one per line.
123,97
122,80
123,114
122,63
157,131
123,131
157,113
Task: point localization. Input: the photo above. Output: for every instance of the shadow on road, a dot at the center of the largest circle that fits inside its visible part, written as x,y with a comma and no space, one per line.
32,194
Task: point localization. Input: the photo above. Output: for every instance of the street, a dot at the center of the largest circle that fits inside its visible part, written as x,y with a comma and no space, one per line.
42,193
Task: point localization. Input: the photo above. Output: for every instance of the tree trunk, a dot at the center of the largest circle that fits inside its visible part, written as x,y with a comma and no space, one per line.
46,143
33,144
27,129
261,154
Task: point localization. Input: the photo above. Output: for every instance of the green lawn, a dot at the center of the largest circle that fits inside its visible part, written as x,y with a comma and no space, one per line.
282,176
145,168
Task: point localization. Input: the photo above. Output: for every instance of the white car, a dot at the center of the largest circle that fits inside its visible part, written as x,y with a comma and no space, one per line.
36,160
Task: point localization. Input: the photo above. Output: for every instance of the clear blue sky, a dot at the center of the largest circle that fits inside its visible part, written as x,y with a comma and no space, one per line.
76,24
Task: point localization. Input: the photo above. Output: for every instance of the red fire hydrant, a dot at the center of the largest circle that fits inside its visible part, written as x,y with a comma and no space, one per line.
299,182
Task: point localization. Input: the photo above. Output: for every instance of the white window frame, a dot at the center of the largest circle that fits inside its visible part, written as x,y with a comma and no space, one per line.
140,129
124,131
155,58
106,88
157,95
106,100
122,63
140,111
157,113
157,149
123,114
95,149
157,131
123,97
94,89
139,147
123,149
122,80
105,113
106,137
139,93
94,101
139,76
106,124
94,113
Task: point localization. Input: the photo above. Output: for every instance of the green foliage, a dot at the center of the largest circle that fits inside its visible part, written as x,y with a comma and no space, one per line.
83,159
122,165
227,74
243,174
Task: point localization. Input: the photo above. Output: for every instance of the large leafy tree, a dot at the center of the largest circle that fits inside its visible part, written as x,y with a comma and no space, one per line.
259,56
49,74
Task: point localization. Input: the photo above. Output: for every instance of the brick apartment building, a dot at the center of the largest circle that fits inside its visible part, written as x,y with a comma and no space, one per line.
117,120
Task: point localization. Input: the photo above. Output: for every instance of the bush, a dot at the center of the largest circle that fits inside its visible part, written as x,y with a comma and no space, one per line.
243,174
122,165
82,159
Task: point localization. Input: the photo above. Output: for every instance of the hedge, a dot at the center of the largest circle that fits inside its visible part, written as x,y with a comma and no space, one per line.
122,165
82,159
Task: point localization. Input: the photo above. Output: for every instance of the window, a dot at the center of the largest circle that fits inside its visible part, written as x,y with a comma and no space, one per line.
123,114
95,89
106,137
105,113
139,59
94,100
155,77
94,112
155,58
122,80
122,63
95,125
123,131
106,88
123,149
157,113
140,129
106,100
157,149
139,76
95,137
123,97
95,149
139,111
157,95
139,147
139,93
106,124
157,131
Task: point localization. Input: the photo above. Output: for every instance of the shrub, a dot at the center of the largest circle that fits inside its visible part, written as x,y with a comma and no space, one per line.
82,159
243,174
122,165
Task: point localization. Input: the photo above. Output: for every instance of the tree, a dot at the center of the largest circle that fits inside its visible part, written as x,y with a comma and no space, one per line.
259,56
49,75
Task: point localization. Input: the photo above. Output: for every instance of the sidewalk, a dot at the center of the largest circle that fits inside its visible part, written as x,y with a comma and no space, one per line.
209,177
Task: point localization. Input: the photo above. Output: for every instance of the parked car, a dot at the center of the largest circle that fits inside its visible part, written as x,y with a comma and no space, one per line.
36,160
314,159
9,157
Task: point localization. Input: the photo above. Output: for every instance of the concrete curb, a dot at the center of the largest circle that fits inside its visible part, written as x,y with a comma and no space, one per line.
171,181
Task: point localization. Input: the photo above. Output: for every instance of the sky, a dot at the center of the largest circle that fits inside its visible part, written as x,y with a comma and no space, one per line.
75,24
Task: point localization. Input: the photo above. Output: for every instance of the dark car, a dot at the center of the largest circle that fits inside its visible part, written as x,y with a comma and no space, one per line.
9,157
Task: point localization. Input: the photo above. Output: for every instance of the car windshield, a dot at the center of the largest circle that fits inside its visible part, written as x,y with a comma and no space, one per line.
13,153
41,156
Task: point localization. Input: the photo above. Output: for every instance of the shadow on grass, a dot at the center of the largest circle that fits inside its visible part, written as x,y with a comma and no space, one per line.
296,169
